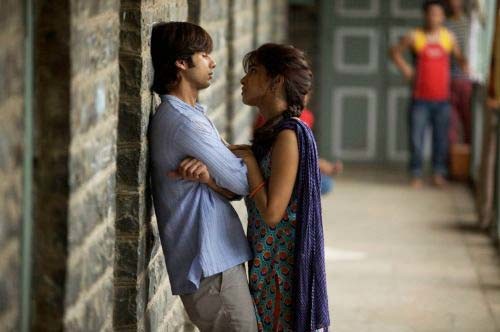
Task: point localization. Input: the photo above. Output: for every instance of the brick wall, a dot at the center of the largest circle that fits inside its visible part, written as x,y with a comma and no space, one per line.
77,84
215,20
143,301
51,173
94,43
241,41
11,140
98,264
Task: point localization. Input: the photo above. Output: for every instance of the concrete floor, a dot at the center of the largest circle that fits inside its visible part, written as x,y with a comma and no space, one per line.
405,260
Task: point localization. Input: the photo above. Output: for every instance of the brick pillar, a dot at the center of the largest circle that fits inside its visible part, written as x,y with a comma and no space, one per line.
11,162
214,18
240,42
143,301
94,90
76,69
52,134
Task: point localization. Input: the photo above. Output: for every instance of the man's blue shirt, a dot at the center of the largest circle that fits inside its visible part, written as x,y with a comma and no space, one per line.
200,232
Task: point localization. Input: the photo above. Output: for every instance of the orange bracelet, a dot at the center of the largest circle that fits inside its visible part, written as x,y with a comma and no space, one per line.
256,190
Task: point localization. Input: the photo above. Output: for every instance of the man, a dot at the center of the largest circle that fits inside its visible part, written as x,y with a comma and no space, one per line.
201,235
461,85
432,46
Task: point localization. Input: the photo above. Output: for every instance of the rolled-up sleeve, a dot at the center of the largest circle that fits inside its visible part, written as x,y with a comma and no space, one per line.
199,141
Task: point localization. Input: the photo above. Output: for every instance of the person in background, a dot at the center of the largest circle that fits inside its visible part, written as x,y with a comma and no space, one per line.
328,169
461,85
485,196
432,45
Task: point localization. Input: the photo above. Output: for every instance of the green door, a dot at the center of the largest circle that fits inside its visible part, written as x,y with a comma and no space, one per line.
364,100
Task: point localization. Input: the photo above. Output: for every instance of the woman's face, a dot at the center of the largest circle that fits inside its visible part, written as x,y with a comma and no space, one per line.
255,85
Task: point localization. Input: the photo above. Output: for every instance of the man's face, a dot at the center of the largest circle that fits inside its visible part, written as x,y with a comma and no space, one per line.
201,73
434,17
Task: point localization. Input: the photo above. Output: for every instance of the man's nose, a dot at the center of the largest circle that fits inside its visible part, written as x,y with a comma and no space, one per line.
214,64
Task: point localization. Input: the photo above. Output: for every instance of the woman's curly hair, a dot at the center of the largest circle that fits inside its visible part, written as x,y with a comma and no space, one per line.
290,63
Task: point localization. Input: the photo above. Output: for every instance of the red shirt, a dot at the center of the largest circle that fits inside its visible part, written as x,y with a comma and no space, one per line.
432,77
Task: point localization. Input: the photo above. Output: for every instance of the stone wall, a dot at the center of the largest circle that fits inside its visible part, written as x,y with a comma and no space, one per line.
143,300
241,41
77,84
11,162
98,264
94,95
304,33
51,173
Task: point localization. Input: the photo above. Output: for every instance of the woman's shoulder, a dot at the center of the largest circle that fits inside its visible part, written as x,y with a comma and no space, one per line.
291,123
297,125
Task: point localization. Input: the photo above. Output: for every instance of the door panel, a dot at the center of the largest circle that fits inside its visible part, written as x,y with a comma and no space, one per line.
364,99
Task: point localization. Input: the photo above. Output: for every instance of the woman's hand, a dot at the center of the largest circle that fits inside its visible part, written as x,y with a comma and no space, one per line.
242,151
191,169
239,147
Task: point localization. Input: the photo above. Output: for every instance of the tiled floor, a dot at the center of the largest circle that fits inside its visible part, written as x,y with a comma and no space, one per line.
405,260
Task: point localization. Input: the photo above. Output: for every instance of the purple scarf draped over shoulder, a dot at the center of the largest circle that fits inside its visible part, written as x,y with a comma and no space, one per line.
310,292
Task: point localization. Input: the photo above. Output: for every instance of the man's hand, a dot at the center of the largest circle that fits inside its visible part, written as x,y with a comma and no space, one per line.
408,73
396,54
492,103
191,169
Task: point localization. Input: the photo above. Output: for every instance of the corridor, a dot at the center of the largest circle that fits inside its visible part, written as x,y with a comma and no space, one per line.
403,260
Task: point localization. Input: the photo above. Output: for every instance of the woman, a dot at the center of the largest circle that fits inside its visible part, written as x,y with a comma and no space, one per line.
287,275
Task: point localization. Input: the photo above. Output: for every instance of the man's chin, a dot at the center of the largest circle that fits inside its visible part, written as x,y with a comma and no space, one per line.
204,86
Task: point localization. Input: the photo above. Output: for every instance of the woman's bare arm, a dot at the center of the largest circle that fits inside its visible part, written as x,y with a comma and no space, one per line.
272,200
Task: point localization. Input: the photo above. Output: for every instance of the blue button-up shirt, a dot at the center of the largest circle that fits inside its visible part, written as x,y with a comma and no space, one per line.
200,232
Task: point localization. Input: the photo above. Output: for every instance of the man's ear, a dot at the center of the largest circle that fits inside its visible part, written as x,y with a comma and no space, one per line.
181,64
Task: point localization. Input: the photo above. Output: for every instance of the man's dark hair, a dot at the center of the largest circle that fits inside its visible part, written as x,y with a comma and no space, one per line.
428,3
174,41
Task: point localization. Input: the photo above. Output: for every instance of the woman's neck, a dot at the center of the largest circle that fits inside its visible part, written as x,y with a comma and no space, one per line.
273,108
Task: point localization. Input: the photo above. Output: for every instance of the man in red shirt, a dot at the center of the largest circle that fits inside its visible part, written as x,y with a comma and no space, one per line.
432,45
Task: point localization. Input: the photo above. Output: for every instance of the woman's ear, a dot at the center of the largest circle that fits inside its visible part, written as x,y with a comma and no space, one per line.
277,83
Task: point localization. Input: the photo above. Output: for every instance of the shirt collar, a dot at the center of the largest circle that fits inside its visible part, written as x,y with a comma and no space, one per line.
198,107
